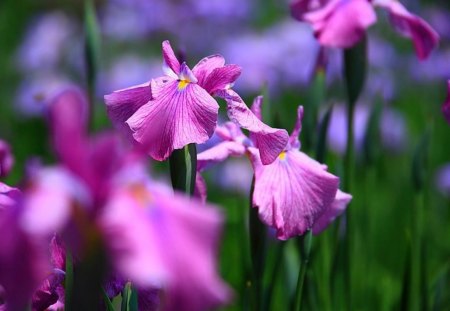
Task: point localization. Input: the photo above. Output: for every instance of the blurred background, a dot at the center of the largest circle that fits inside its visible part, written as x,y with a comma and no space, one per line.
402,178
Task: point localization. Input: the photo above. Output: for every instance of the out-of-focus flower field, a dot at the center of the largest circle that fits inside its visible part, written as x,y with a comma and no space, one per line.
279,211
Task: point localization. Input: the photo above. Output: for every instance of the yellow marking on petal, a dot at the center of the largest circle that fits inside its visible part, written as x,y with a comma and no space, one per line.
282,155
182,84
141,194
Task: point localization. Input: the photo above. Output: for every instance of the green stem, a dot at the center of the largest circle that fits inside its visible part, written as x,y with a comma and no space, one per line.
183,169
68,281
92,53
306,242
355,62
258,254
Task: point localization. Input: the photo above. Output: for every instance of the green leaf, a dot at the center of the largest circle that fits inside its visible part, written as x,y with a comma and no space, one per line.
91,51
68,283
129,298
371,140
183,169
419,163
322,136
108,303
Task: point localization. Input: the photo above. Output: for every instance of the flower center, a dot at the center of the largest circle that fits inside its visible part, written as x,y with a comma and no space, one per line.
182,84
282,155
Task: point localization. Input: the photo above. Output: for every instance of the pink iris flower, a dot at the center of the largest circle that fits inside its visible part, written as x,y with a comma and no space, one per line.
342,23
446,105
151,233
294,193
177,109
6,159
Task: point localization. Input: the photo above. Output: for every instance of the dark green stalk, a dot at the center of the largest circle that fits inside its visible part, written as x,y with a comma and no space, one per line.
355,62
306,241
183,169
92,53
268,292
258,254
68,283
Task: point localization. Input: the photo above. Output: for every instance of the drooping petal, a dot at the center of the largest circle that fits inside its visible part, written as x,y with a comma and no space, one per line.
122,104
293,139
341,23
270,141
446,105
170,60
206,66
292,192
221,78
219,153
6,159
424,37
176,117
336,209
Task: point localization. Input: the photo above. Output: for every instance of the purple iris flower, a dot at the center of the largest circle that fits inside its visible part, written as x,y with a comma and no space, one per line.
172,111
293,192
342,23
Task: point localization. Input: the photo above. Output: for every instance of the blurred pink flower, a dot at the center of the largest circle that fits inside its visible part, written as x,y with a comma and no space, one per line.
342,23
178,109
151,233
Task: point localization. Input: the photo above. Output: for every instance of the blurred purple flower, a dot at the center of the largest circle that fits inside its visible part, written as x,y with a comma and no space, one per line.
439,19
342,23
392,128
6,159
35,91
178,109
434,69
45,42
442,180
137,70
282,56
